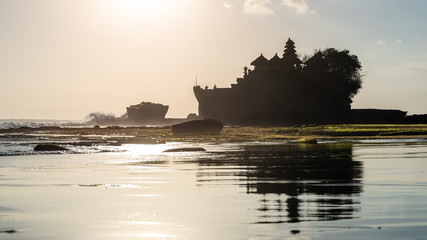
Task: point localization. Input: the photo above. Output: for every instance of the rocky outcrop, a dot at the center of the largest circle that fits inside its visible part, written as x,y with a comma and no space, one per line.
415,119
308,140
186,149
376,116
49,147
198,127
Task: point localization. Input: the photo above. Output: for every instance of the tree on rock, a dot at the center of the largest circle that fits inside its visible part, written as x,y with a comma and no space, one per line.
345,68
334,78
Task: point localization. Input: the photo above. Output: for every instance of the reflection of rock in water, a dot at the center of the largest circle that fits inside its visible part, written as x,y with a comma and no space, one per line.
298,182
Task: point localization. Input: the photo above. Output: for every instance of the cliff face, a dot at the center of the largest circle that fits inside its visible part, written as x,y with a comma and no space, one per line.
267,104
286,90
213,103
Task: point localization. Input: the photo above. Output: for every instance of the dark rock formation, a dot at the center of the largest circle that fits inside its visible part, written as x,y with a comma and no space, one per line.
186,149
49,147
415,119
198,127
308,141
147,113
376,116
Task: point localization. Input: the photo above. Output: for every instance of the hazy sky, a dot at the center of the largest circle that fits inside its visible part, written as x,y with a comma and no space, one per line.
62,59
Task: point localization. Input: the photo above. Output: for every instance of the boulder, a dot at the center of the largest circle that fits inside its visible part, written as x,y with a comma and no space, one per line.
198,127
308,140
49,147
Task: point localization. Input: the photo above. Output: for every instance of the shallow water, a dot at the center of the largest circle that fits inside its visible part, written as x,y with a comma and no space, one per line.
362,190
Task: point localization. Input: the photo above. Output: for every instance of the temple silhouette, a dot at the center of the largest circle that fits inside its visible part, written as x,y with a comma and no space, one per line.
287,90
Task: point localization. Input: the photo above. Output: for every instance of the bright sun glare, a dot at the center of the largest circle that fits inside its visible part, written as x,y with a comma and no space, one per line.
145,9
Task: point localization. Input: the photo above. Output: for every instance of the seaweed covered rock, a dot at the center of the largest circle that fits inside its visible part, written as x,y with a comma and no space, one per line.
308,140
49,147
186,149
198,127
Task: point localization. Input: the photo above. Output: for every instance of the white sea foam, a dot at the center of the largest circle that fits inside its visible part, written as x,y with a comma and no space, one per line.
34,123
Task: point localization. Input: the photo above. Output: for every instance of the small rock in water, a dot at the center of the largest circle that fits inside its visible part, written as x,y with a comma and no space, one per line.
308,141
294,232
186,149
49,147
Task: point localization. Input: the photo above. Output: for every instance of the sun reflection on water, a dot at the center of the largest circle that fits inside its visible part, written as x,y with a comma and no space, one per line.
154,236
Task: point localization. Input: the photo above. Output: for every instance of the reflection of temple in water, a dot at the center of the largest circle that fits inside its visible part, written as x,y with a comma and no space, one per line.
298,182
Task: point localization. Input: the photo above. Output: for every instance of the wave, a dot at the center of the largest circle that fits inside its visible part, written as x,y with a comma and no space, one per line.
35,123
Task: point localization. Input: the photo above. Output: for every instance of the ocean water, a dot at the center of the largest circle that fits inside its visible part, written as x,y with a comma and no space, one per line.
358,190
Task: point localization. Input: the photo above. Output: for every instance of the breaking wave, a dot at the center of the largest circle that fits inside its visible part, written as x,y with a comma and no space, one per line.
35,123
96,117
